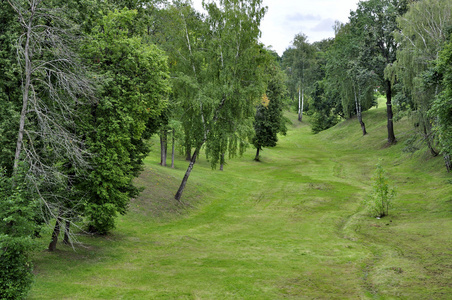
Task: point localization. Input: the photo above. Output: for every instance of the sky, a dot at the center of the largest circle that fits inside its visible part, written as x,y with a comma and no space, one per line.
286,18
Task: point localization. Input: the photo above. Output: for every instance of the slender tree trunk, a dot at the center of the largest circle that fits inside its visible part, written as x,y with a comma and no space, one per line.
363,126
299,104
359,113
447,162
222,162
66,232
178,195
55,234
302,105
172,150
187,149
25,94
257,154
391,137
163,148
429,142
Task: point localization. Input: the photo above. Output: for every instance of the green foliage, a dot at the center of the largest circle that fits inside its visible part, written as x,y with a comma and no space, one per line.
269,119
299,64
10,89
18,214
347,74
324,106
133,93
441,109
380,199
421,37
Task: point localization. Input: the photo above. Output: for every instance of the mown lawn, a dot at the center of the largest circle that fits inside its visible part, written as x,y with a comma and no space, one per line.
290,226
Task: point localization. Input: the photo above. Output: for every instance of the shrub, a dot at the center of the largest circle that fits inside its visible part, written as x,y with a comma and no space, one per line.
380,199
17,228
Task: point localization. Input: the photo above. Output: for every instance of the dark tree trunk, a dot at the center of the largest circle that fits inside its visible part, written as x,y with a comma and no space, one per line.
172,150
55,234
66,232
391,137
363,126
257,154
429,142
163,148
447,162
187,151
178,195
221,162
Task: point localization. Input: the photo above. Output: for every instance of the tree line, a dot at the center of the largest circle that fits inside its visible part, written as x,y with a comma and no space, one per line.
86,83
396,49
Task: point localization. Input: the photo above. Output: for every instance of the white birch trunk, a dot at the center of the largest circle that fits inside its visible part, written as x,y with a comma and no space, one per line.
299,104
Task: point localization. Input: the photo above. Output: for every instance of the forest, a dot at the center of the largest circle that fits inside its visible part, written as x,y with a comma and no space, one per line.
352,134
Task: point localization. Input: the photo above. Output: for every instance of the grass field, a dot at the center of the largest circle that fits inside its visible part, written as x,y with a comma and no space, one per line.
291,226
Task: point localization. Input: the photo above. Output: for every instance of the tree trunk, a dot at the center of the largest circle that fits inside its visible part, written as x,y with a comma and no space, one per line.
299,104
302,105
429,142
25,91
447,162
55,234
163,148
257,154
391,137
187,149
222,162
178,195
66,232
172,150
359,113
363,126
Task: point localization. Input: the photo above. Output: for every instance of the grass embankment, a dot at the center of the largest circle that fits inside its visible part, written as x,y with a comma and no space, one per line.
291,226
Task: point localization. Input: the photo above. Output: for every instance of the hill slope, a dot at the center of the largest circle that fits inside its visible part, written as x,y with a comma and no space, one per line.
291,226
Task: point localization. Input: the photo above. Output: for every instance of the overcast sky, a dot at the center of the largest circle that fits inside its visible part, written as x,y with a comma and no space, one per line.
285,18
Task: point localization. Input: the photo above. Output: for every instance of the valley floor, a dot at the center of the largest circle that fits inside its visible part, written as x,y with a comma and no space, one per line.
290,226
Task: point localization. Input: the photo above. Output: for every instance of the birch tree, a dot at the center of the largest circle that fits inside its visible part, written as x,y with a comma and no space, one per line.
423,32
229,80
298,62
346,70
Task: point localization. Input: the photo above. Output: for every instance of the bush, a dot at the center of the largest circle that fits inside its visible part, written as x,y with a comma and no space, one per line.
380,199
17,228
321,122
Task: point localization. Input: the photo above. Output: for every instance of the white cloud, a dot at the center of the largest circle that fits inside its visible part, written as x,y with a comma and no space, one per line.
324,26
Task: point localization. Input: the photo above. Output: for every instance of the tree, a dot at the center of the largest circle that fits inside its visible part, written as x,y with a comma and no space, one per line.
347,72
324,105
17,228
423,32
134,89
375,22
228,78
298,62
442,105
54,86
380,199
269,119
10,85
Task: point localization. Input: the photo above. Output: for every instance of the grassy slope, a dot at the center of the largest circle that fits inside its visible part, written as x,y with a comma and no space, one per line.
291,226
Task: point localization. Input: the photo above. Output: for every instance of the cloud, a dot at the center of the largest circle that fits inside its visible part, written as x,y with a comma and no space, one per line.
326,25
297,17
